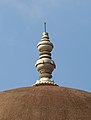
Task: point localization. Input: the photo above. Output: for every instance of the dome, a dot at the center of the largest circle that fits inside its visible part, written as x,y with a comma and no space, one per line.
45,102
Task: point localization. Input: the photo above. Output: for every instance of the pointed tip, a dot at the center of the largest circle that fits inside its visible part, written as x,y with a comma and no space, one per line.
45,26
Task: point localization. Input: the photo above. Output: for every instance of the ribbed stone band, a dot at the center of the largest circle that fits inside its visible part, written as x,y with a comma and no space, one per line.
45,81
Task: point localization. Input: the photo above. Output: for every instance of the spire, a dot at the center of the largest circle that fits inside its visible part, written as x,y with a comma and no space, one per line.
45,26
45,65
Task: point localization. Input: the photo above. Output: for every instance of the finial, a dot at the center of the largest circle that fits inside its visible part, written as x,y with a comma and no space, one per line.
45,26
45,65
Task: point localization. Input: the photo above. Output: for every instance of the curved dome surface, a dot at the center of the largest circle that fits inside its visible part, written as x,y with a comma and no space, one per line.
45,103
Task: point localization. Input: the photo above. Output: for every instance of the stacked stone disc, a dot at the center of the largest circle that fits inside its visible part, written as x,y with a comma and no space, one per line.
45,65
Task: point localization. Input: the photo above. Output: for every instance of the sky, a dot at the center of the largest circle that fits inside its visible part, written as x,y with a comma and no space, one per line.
69,28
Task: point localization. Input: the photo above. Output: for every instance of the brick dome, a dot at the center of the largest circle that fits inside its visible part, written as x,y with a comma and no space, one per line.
45,102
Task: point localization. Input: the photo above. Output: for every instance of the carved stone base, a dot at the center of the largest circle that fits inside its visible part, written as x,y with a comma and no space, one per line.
45,81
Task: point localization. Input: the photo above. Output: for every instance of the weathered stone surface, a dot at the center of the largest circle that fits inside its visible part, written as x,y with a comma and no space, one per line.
45,103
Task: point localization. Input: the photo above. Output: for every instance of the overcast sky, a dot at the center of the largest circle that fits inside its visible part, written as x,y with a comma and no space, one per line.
69,28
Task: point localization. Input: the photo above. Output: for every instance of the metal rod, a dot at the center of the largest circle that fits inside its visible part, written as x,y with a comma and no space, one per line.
45,26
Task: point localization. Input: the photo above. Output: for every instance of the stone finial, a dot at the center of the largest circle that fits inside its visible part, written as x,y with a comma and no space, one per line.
45,65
